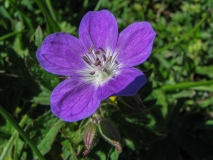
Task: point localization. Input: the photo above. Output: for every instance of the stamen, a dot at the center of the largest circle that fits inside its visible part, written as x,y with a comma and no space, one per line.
98,62
86,60
104,70
104,57
92,73
90,49
102,65
97,52
110,58
102,50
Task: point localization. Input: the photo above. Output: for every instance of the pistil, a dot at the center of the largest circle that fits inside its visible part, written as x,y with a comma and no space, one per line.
102,65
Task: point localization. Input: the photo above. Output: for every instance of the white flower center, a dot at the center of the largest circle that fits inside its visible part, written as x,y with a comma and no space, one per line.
101,66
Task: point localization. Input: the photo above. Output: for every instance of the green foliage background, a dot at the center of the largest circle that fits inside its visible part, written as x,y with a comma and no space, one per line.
178,95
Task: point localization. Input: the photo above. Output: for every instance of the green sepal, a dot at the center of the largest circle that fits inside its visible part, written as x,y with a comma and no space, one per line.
109,132
90,136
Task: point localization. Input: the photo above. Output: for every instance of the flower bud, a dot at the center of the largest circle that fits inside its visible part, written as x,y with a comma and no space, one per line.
89,136
110,133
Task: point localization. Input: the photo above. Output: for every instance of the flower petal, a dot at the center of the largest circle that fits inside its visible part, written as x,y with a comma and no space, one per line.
99,29
127,83
60,53
135,44
73,100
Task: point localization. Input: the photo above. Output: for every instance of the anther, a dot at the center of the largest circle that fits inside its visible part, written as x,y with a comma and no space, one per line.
102,50
98,62
86,60
104,57
97,52
116,62
92,73
110,58
104,70
90,49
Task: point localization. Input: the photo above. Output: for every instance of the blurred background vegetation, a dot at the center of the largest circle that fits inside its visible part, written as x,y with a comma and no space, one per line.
178,124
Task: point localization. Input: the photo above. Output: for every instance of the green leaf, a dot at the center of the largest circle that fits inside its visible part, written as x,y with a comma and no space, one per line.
68,151
185,93
101,155
205,70
204,88
113,154
7,147
2,38
4,13
48,80
43,97
206,102
185,85
21,132
52,26
186,35
45,145
38,36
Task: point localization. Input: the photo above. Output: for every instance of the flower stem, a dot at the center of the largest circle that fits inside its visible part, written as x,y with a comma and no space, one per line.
7,116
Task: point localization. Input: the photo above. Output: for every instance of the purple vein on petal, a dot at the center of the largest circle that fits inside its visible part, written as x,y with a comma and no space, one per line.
67,93
70,107
124,44
89,33
47,59
134,48
81,49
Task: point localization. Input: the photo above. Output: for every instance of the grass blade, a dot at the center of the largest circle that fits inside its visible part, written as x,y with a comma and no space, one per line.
7,116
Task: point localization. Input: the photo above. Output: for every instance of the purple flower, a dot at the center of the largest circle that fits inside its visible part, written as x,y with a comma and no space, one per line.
100,63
